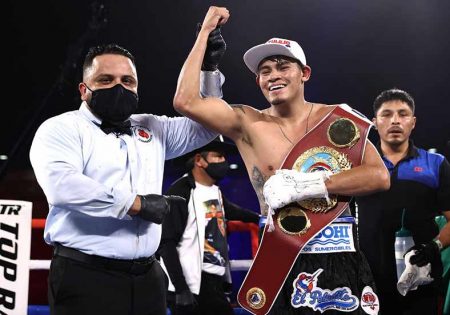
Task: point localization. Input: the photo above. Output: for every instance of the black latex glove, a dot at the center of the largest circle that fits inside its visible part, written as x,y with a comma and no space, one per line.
215,49
428,253
185,298
155,207
227,288
425,253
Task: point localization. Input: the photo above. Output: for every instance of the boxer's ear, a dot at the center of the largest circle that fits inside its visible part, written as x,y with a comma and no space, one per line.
306,73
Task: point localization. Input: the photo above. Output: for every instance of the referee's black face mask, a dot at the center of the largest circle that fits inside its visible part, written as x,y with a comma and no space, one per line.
115,104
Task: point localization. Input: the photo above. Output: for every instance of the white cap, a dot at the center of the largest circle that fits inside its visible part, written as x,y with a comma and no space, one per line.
273,47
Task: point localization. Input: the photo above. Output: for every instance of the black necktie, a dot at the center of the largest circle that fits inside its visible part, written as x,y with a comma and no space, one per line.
118,128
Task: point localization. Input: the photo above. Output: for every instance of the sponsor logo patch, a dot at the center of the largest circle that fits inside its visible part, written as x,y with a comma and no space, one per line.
142,133
307,294
335,238
280,41
369,301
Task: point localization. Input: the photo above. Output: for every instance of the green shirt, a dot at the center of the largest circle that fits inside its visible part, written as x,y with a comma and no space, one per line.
445,256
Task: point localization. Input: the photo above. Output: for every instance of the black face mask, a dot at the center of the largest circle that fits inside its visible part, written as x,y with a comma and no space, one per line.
217,171
114,104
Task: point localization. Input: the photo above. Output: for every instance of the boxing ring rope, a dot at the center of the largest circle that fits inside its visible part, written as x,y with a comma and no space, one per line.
18,282
236,265
233,226
38,223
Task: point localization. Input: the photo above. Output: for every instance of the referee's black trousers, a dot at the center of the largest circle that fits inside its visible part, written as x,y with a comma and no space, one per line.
80,288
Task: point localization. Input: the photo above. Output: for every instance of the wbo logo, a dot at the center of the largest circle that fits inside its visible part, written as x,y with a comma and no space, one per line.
307,293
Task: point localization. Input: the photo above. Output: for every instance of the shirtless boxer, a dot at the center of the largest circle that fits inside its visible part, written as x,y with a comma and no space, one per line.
264,139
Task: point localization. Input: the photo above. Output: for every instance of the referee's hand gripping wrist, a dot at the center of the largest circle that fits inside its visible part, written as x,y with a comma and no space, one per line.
215,49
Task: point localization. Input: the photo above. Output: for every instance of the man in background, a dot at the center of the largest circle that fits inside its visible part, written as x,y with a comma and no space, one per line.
420,184
194,242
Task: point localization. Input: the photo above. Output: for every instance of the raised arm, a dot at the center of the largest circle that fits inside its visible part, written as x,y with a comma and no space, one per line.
211,112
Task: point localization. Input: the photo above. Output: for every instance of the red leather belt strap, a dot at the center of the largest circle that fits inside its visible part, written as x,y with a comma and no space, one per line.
278,250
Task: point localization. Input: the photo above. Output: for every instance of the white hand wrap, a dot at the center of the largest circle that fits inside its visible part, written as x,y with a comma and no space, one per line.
287,186
211,83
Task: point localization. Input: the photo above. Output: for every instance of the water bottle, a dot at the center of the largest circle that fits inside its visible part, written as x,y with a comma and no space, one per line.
403,242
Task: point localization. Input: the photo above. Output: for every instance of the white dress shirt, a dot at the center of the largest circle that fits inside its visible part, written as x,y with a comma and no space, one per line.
91,178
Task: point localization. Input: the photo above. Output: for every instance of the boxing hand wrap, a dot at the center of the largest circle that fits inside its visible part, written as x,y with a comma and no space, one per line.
288,186
155,207
211,83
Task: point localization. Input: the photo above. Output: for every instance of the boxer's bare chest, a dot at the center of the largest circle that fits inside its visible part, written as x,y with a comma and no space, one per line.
264,148
266,143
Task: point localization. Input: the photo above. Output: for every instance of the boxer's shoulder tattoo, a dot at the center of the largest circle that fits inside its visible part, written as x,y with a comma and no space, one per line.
258,176
258,179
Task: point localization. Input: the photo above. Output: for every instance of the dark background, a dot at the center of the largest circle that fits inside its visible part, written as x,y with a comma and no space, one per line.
356,49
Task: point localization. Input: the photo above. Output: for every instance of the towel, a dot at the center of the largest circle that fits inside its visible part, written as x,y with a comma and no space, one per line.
413,276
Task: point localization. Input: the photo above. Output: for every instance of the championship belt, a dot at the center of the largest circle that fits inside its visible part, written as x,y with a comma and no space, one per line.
336,144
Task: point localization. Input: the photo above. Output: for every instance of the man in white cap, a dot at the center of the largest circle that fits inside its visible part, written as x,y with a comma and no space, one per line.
339,278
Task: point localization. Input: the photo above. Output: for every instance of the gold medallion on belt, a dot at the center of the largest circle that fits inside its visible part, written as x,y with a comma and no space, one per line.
341,133
256,298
